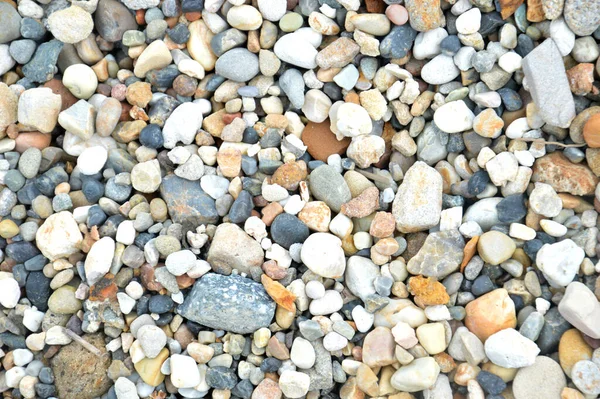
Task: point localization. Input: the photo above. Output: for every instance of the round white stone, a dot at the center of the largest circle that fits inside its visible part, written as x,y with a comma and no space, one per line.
294,384
92,160
454,117
315,289
10,292
322,253
126,232
508,348
469,22
302,353
180,262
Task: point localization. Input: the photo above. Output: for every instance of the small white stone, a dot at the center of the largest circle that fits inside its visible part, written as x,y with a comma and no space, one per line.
454,117
510,62
302,353
559,262
404,335
315,289
180,262
316,106
99,260
508,348
469,22
503,168
440,70
330,302
544,201
322,253
427,44
580,307
521,231
294,205
363,319
126,303
462,58
22,357
59,236
152,339
563,36
32,319
125,232
294,384
10,292
525,158
92,160
183,124
81,80
517,128
451,218
553,228
14,376
56,336
334,341
125,389
420,374
296,49
438,313
184,371
134,290
341,225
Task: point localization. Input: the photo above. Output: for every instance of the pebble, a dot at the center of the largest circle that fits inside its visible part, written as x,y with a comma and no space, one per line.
542,379
239,65
454,117
560,262
579,307
70,25
508,348
417,376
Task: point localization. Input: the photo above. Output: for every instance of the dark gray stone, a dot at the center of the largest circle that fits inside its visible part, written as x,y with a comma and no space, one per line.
230,303
186,201
41,67
398,42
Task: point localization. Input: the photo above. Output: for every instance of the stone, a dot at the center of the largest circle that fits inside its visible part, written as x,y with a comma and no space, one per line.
543,379
146,176
580,307
155,56
586,377
548,84
418,202
39,109
150,369
70,25
490,313
508,348
231,303
440,70
41,67
237,64
184,371
232,248
560,262
440,255
366,150
322,253
420,374
59,236
294,384
187,203
296,50
10,21
495,247
424,15
338,54
428,291
582,16
99,260
78,372
10,292
302,353
327,185
454,117
112,19
571,349
79,119
8,106
556,170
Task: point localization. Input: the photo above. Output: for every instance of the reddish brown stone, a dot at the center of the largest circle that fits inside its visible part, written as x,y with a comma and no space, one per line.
277,349
32,139
508,7
376,6
148,280
279,293
535,11
290,174
228,118
427,291
555,169
104,289
270,212
382,225
321,141
66,96
273,270
363,205
581,79
184,281
591,131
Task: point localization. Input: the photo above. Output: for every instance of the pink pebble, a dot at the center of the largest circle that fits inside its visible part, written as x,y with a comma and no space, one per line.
397,14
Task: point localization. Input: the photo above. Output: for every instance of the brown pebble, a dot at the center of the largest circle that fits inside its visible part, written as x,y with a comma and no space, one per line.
321,141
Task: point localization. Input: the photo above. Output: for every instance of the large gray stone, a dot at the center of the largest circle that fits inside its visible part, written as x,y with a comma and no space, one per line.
439,256
230,303
327,185
582,16
10,21
548,84
238,64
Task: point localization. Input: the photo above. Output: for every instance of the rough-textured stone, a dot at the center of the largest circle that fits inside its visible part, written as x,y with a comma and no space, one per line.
231,303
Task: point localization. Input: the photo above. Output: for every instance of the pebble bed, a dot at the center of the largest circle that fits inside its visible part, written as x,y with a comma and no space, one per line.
312,199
